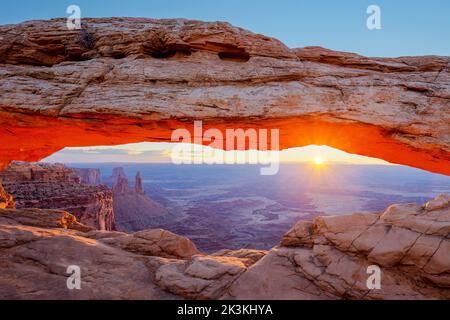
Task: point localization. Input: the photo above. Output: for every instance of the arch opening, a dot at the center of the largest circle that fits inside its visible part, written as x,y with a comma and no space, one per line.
232,206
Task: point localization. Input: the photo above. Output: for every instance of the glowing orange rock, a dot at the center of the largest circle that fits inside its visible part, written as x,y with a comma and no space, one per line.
139,79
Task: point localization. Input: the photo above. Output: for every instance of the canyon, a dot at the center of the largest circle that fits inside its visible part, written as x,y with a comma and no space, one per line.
55,186
81,192
123,80
326,258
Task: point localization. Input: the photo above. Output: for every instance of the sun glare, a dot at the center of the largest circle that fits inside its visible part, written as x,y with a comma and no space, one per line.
318,161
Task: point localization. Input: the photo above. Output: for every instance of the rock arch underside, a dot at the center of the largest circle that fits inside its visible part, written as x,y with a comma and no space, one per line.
124,80
131,80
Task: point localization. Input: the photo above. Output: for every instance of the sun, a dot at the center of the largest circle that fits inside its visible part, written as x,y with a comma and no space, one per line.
318,161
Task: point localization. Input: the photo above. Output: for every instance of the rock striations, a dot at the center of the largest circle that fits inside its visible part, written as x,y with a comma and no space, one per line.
55,186
329,257
323,259
122,80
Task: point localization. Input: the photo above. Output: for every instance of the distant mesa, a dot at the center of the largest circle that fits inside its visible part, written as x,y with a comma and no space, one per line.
89,176
116,173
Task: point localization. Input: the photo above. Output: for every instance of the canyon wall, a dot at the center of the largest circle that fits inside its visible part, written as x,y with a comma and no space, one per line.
54,186
327,258
122,80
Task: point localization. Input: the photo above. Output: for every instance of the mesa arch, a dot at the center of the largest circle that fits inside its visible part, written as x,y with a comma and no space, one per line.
122,80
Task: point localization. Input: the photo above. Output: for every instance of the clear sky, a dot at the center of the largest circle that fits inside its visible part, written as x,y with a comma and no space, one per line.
408,27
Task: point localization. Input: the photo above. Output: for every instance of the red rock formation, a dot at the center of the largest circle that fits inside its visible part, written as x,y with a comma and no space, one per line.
121,185
116,173
46,186
329,257
323,259
133,209
123,80
43,172
138,188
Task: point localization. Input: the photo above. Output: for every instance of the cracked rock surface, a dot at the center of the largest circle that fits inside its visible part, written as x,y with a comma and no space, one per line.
322,259
330,256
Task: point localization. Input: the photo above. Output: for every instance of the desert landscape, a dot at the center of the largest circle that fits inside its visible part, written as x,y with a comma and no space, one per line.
161,231
325,258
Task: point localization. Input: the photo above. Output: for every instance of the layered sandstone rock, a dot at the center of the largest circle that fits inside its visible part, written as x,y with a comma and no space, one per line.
121,80
47,186
37,246
42,172
134,210
323,259
34,261
121,185
155,242
329,257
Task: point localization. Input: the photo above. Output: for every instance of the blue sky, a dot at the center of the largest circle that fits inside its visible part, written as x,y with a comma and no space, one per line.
408,27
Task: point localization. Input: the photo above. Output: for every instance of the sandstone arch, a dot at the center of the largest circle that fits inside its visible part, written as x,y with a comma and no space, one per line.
127,80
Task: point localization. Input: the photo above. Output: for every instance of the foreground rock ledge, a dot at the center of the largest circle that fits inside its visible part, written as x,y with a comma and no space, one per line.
323,259
122,80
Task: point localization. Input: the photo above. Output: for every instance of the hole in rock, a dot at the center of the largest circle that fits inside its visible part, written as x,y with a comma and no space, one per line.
219,206
163,54
160,50
169,53
234,56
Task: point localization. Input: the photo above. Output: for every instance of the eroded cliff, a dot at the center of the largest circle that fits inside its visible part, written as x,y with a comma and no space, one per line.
55,186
